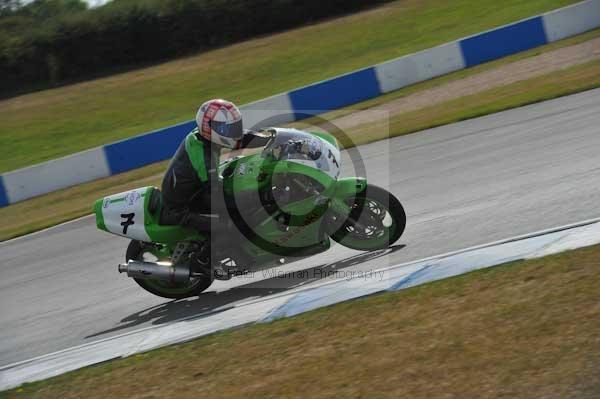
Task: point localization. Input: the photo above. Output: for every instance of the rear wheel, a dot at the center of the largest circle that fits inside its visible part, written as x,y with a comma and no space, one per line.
376,221
138,251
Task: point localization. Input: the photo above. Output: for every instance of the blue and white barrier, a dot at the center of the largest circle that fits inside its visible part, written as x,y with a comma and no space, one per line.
424,65
55,174
304,299
326,95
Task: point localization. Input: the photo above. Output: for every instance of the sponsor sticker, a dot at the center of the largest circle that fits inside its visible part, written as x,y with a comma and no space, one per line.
132,198
241,170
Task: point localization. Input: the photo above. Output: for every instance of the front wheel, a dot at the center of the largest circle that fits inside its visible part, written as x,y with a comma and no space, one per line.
138,251
376,221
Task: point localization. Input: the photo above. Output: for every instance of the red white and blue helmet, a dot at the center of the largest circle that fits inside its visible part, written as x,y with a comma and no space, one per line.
220,121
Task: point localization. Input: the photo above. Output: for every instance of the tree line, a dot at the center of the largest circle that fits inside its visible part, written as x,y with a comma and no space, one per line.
47,42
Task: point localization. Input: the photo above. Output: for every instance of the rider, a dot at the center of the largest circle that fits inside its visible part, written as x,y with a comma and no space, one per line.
193,171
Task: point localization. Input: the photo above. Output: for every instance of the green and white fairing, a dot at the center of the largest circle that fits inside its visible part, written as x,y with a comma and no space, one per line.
128,214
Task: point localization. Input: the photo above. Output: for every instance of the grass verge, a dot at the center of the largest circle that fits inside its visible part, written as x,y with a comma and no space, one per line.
522,330
52,123
63,205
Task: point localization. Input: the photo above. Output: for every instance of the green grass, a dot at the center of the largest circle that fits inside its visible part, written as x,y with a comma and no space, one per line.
63,205
527,329
52,123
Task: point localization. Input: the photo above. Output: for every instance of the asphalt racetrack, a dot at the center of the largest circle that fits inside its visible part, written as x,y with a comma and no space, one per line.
463,184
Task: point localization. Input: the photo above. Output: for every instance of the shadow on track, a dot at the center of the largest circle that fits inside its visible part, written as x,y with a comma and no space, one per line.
210,302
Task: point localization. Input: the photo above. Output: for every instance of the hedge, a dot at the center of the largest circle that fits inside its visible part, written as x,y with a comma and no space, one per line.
129,32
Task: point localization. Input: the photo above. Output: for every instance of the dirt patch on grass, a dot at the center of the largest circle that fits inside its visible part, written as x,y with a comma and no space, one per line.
523,330
500,76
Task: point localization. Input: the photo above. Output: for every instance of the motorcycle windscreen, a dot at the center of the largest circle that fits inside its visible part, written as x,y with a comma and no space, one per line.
306,149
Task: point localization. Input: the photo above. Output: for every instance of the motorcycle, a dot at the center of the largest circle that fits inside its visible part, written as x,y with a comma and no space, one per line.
287,201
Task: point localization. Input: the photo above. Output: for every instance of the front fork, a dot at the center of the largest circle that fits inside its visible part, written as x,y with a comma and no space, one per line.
349,187
340,210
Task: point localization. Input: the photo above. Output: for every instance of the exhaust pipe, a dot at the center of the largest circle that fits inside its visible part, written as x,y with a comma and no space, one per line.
156,271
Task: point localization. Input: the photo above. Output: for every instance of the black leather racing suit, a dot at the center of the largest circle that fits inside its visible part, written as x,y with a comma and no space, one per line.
191,181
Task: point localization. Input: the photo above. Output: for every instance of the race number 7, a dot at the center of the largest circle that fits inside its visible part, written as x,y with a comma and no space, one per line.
128,221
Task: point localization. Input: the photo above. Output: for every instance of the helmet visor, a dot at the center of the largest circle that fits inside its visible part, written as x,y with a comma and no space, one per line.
230,130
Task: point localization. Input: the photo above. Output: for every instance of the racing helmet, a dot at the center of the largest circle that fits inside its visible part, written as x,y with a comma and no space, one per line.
220,121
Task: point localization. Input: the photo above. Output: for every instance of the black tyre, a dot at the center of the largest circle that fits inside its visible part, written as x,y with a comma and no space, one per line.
138,251
377,220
